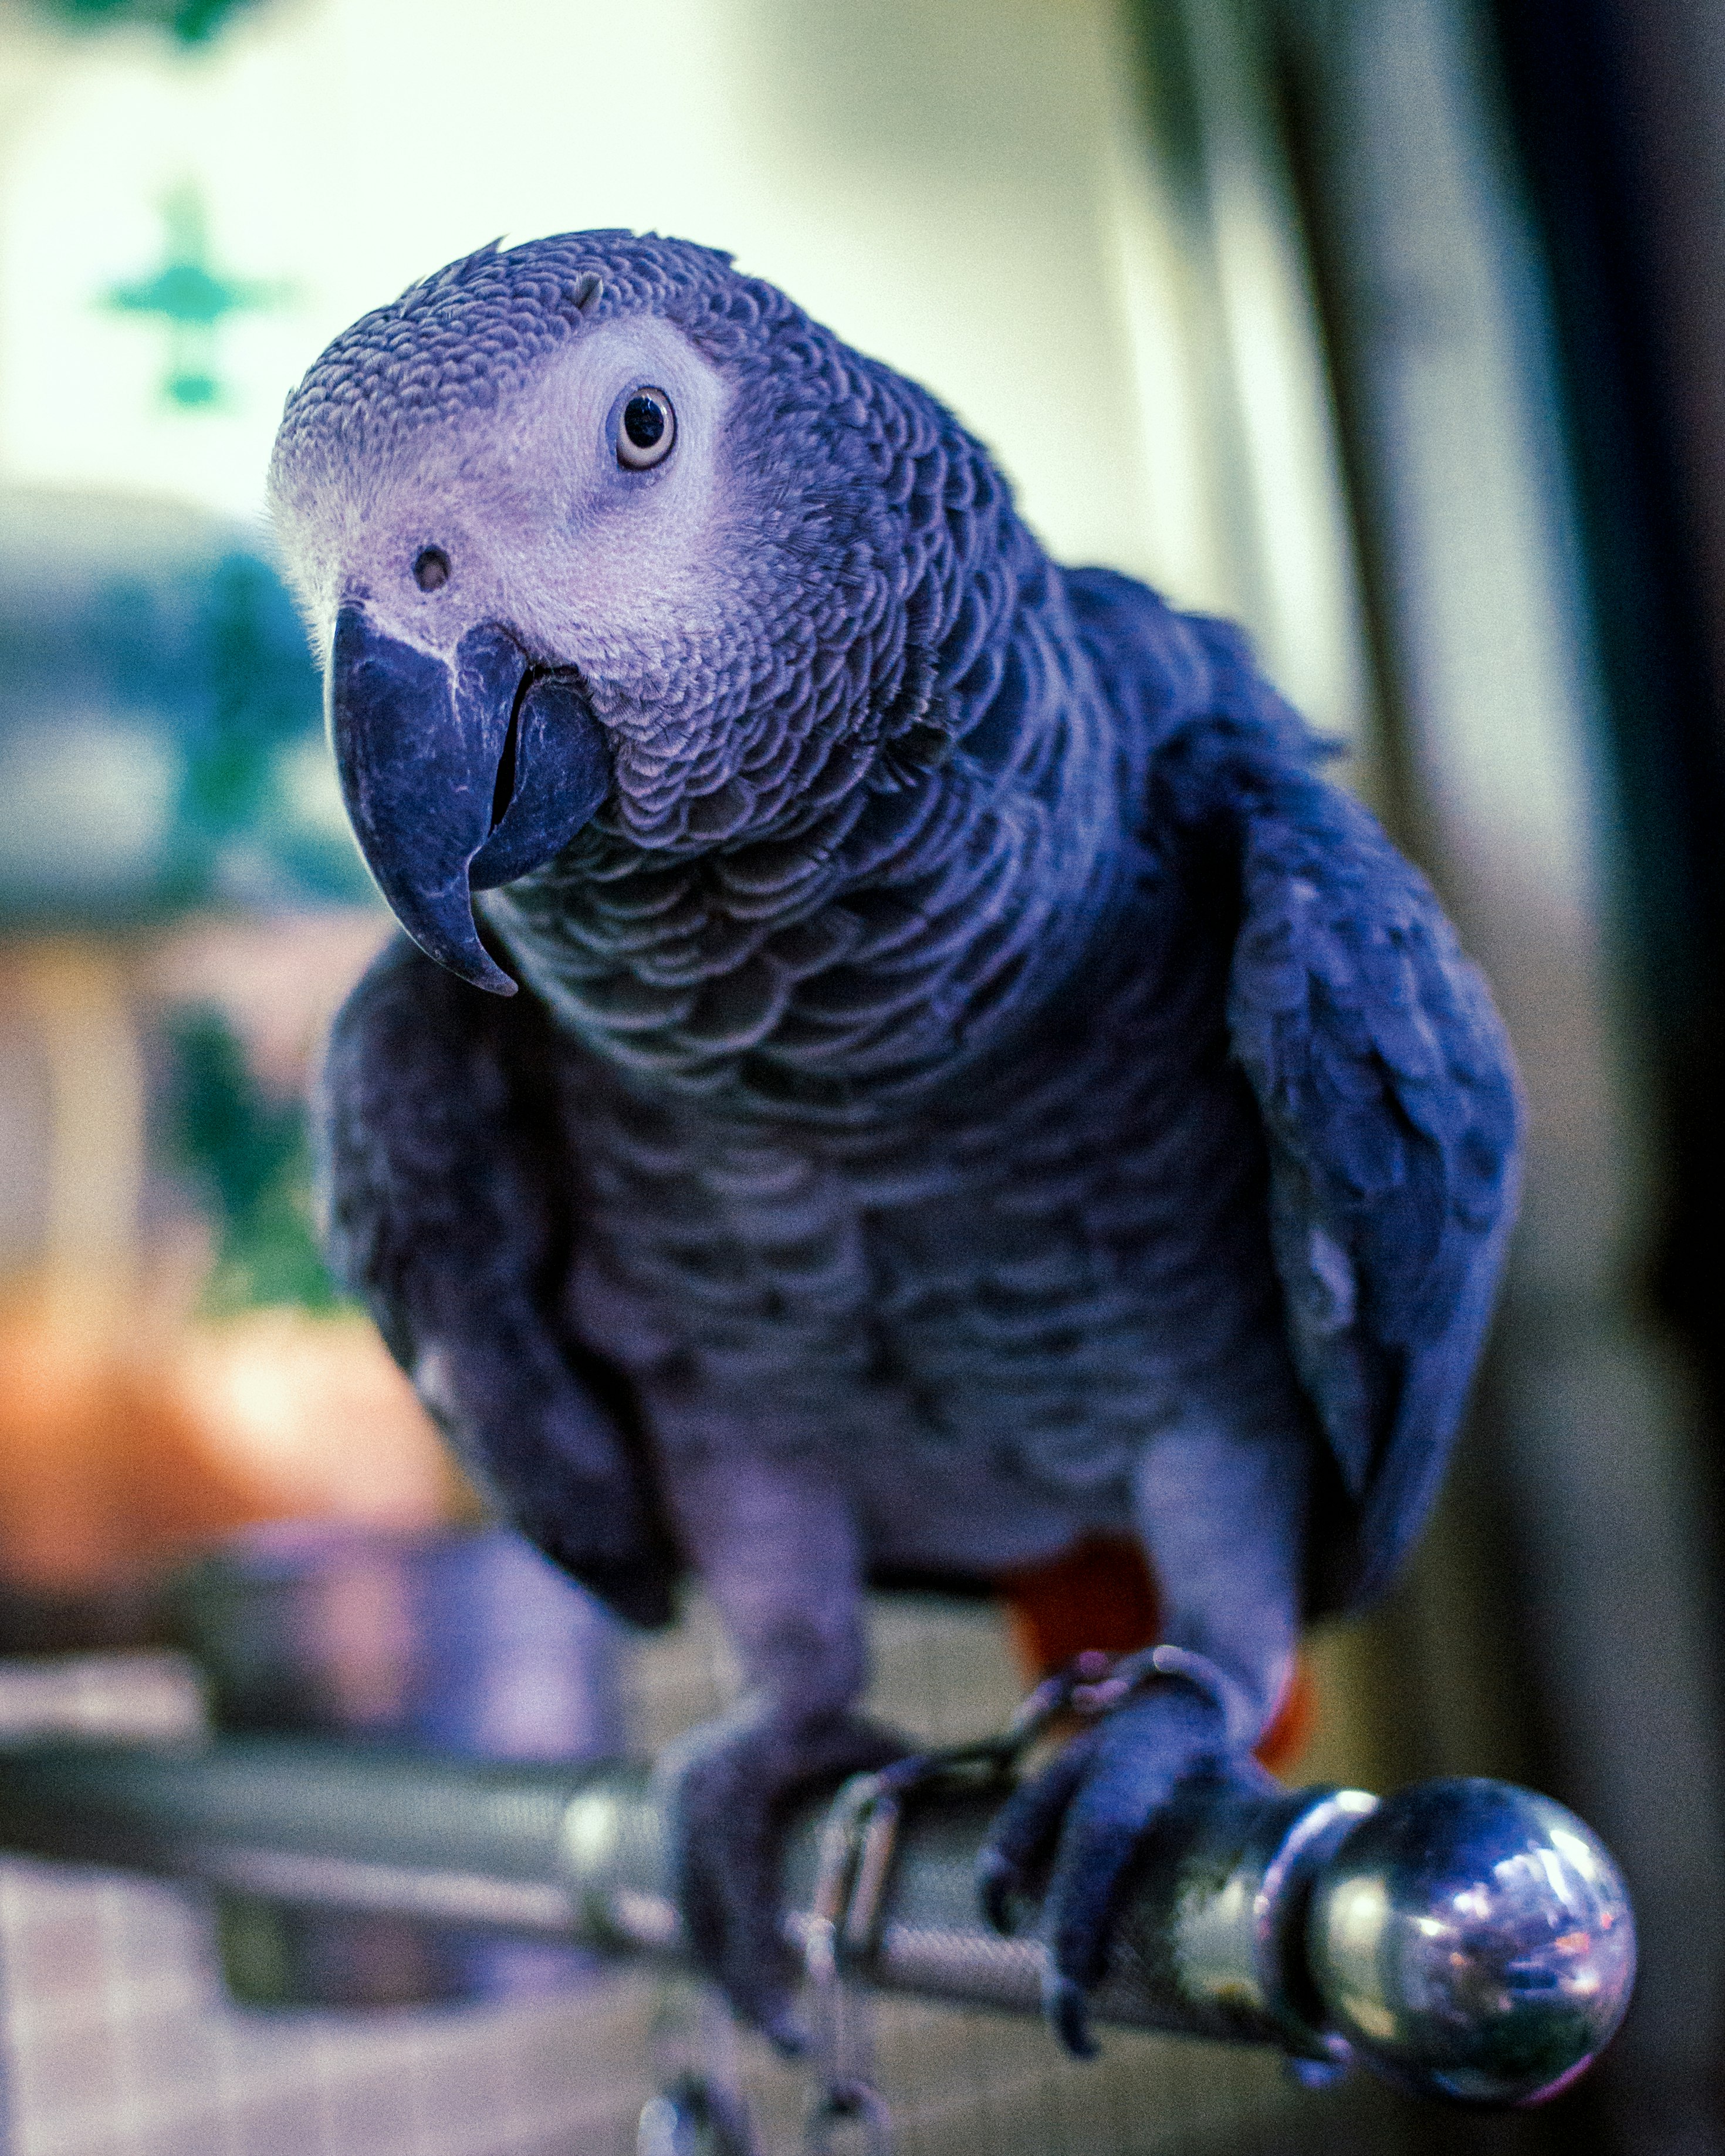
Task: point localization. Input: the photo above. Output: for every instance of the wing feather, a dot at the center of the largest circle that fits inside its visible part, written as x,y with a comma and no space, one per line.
1380,1065
447,1186
1388,1097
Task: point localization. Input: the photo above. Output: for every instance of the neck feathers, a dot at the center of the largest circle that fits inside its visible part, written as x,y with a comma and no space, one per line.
934,880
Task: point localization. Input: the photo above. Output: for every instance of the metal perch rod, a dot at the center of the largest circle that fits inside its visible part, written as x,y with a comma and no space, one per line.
1469,1939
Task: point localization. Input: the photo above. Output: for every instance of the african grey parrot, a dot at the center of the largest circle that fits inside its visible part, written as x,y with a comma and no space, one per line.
978,1084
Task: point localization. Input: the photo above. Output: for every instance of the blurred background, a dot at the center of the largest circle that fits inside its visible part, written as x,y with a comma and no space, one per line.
1390,327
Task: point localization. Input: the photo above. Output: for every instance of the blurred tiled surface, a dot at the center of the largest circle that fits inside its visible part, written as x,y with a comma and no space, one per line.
120,2043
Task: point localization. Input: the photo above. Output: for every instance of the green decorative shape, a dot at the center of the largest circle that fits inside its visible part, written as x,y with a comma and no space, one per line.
187,21
193,300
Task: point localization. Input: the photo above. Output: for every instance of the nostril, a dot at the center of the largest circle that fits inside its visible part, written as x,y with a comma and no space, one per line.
431,569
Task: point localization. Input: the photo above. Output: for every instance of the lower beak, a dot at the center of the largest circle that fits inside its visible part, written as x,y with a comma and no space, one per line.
458,775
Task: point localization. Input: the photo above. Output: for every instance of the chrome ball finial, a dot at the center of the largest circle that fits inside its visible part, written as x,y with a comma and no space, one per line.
1472,1940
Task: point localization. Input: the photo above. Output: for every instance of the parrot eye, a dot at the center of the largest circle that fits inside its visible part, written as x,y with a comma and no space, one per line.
431,569
646,429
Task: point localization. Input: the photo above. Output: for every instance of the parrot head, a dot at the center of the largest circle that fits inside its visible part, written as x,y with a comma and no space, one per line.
596,527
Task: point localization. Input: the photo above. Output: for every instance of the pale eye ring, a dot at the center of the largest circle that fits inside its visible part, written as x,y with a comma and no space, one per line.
646,428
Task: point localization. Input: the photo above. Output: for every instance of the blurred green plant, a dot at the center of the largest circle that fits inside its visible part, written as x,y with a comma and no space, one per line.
247,1152
220,652
187,21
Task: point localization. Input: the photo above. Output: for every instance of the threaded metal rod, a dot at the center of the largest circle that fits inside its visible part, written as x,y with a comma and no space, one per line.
1469,1939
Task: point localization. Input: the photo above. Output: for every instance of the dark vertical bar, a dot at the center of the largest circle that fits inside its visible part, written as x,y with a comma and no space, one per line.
1612,199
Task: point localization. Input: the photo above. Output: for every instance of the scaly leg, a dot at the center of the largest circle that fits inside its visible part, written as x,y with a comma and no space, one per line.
772,1535
1223,1516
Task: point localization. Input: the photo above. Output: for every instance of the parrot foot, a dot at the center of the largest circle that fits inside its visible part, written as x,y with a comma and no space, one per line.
729,1786
1071,1831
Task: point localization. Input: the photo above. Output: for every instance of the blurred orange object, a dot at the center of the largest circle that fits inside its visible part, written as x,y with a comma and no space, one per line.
126,1443
132,1432
1100,1594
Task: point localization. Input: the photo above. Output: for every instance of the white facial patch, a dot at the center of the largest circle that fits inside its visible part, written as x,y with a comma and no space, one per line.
542,525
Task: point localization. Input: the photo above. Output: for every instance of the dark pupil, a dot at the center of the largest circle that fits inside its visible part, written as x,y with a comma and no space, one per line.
431,571
644,421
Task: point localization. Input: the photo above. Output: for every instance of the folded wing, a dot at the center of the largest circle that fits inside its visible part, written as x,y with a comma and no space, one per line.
1379,1066
449,1195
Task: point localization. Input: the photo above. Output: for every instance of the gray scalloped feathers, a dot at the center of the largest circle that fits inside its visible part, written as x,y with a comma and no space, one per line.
454,342
906,697
975,1011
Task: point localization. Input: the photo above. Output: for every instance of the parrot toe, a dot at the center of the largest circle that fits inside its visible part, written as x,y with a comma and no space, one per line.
1071,1832
1015,1856
729,1788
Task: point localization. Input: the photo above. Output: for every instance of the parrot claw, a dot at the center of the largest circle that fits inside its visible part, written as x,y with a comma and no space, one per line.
788,2034
1068,2011
995,1881
1073,1830
728,1788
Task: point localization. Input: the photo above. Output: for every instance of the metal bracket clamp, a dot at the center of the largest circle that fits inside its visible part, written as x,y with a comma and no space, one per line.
859,1833
858,1838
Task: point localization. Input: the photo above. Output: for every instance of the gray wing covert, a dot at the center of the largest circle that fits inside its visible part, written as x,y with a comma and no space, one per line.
1380,1069
449,1190
1388,1098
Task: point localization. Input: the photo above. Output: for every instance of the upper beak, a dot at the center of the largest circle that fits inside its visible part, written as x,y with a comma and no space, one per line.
458,775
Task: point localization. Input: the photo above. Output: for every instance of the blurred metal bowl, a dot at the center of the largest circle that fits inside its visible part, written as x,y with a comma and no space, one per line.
466,1642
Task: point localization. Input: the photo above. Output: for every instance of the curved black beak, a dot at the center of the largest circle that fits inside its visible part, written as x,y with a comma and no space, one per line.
458,775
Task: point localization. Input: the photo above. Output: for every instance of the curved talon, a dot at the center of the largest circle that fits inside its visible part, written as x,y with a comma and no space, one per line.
1026,1828
788,2033
1068,2010
995,1881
